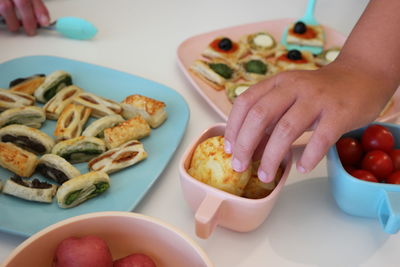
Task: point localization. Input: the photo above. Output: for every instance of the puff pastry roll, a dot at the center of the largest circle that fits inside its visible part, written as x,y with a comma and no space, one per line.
260,43
101,106
28,138
56,168
81,188
226,49
56,105
52,85
12,99
152,110
256,68
132,129
27,85
17,160
31,116
118,158
32,190
71,121
305,34
97,127
79,149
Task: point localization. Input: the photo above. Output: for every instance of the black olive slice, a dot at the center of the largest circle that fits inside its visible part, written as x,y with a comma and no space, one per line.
294,54
300,27
225,44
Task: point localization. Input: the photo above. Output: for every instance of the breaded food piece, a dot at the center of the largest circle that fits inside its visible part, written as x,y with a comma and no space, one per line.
17,160
211,165
27,85
71,121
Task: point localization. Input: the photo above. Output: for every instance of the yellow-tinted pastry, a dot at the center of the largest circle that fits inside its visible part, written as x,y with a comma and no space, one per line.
17,160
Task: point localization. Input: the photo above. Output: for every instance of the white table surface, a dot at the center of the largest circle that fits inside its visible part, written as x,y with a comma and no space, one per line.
305,228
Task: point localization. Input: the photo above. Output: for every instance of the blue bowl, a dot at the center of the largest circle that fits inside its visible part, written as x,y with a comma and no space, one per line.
361,198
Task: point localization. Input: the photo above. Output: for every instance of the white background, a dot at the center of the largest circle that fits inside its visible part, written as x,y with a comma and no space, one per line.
305,228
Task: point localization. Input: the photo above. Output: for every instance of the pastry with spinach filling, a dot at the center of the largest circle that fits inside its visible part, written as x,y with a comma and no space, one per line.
81,188
55,106
56,168
79,149
31,116
52,85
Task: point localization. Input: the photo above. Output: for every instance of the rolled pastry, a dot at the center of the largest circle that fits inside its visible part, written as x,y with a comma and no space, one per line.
31,116
32,190
101,106
152,110
71,121
118,158
79,149
56,105
132,129
52,85
81,188
56,168
17,160
12,99
27,85
97,127
27,138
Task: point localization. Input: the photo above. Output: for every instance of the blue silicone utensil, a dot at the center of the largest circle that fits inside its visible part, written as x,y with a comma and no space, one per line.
308,19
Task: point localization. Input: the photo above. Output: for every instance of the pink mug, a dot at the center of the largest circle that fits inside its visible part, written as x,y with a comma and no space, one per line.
214,207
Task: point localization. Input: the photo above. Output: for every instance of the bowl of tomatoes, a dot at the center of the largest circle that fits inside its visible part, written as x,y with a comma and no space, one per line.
364,173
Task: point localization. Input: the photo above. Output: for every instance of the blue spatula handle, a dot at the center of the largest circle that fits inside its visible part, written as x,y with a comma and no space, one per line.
308,17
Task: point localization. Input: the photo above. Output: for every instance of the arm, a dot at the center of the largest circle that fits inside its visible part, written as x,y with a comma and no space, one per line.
344,95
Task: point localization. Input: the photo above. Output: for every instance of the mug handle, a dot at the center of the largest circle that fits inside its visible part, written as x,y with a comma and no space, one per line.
389,212
207,215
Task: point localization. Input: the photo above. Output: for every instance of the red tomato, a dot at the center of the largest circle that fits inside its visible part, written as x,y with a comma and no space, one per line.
377,137
349,168
364,175
395,156
394,178
350,150
377,162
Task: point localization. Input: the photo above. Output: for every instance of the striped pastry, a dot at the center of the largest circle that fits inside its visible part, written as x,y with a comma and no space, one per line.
79,149
12,99
71,121
100,106
27,85
31,116
56,105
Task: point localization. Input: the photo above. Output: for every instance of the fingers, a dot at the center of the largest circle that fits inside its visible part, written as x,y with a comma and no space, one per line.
41,13
25,10
7,11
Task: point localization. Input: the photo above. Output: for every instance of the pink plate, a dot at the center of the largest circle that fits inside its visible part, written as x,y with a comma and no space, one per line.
191,49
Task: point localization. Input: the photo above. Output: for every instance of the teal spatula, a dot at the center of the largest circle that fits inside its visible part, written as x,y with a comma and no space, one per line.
308,19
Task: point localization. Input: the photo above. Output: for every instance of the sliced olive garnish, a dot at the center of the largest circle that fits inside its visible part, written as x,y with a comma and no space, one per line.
222,69
256,66
225,44
294,54
300,27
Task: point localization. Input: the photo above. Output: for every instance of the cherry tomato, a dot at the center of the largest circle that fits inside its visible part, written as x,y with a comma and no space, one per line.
364,175
377,137
394,178
350,150
349,168
378,163
395,156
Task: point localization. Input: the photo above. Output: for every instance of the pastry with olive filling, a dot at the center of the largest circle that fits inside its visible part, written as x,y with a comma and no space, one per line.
17,160
32,190
300,33
226,49
255,68
81,188
260,43
118,158
56,105
215,73
101,106
295,60
233,90
71,121
132,129
28,138
79,149
152,110
56,168
97,127
12,99
27,85
327,56
31,116
52,85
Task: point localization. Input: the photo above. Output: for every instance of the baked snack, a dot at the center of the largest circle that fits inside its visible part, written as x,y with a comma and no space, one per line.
300,33
56,104
226,49
79,149
295,60
96,128
28,138
211,165
31,116
81,188
13,99
118,158
27,85
215,73
32,190
71,121
52,85
255,68
152,110
233,90
17,160
132,129
327,56
260,43
56,168
100,106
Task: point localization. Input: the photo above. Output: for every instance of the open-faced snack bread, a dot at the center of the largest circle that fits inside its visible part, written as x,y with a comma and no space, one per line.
27,85
17,160
71,121
31,116
57,104
260,43
97,127
295,60
256,68
327,56
52,85
56,168
300,33
226,49
233,90
13,99
79,149
100,106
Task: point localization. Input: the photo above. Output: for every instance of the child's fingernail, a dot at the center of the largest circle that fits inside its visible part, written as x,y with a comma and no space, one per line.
237,165
301,169
44,20
228,147
263,176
